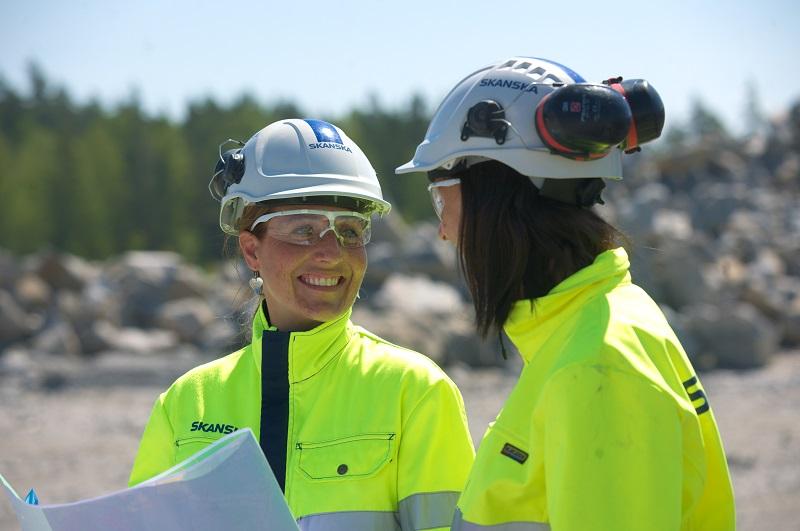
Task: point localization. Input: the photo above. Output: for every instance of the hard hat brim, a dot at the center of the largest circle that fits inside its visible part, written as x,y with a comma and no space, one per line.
538,163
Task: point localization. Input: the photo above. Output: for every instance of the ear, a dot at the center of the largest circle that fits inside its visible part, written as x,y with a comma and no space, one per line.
249,244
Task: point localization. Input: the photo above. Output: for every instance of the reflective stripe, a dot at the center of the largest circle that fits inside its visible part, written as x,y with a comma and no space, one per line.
427,510
350,521
459,524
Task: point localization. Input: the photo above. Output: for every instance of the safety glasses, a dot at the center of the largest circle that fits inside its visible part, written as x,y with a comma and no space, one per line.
307,227
436,195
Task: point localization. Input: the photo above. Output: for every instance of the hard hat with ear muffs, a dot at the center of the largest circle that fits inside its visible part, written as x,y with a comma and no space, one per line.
295,161
541,119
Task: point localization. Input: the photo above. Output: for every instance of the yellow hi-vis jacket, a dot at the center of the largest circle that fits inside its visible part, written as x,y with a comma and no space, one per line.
608,427
376,438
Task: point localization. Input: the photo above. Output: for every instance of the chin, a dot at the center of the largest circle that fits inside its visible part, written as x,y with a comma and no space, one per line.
325,315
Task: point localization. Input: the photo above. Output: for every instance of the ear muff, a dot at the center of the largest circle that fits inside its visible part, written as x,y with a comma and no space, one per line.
228,170
647,111
583,121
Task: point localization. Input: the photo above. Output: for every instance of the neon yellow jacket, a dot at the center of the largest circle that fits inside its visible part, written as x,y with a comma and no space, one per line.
377,436
608,427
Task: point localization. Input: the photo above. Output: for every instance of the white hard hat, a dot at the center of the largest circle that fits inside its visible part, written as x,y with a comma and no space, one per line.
513,88
294,159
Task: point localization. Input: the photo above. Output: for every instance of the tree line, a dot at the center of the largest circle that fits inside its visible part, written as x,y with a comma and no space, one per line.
95,181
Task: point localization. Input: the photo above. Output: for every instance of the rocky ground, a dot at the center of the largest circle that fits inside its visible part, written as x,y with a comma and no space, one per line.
70,426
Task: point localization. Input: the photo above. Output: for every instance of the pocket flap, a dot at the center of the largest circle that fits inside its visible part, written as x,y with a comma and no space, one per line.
188,446
348,457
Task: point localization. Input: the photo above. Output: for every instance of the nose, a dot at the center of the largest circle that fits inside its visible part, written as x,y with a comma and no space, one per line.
442,235
328,247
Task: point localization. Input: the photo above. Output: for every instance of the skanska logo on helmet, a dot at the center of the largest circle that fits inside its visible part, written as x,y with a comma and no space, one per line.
508,83
327,136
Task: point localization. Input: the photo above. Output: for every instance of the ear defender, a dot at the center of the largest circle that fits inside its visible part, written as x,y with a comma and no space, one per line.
228,170
234,166
585,121
647,110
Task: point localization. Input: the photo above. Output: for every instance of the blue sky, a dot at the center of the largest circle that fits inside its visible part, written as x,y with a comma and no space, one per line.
331,56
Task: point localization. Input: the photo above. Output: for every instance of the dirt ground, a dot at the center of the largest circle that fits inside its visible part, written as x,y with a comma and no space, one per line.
70,427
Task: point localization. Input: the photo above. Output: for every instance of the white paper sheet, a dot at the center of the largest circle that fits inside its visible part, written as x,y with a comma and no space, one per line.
227,485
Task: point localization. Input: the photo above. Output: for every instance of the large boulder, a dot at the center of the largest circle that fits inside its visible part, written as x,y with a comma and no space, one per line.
636,215
63,271
790,326
15,323
135,340
424,333
223,336
446,338
672,224
97,337
715,202
187,318
417,294
146,280
58,337
420,253
674,272
32,293
9,269
736,336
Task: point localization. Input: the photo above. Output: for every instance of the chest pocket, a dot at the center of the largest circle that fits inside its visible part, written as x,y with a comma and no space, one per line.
359,456
188,446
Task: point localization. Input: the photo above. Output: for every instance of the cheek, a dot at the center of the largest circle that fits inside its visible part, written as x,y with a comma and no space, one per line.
277,263
358,262
451,223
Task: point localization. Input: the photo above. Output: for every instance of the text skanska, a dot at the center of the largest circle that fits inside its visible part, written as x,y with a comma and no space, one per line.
508,83
208,427
331,145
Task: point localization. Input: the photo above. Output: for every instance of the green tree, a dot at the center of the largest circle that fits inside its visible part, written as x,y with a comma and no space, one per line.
388,138
705,125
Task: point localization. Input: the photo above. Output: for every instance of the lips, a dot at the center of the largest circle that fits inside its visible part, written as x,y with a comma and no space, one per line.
323,281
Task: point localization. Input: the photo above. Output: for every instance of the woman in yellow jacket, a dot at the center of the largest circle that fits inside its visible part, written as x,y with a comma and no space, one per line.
608,427
360,433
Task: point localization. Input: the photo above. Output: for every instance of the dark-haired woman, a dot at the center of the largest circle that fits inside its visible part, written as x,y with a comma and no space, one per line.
608,427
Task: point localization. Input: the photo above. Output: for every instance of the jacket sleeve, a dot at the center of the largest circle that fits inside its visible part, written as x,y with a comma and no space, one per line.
613,459
434,459
157,447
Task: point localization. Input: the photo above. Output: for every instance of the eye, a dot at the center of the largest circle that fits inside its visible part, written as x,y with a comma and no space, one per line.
351,228
303,231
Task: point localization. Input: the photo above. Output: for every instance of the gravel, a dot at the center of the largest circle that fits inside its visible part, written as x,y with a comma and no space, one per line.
70,427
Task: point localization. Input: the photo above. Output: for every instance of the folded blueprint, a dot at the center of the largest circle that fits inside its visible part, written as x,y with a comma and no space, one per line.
227,485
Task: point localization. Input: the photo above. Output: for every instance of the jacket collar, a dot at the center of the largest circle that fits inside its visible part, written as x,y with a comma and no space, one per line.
309,351
531,322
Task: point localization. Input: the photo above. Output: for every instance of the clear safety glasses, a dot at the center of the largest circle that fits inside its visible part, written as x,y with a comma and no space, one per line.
436,195
306,227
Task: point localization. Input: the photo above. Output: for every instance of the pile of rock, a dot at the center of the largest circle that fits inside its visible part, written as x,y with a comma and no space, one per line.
715,239
150,302
142,302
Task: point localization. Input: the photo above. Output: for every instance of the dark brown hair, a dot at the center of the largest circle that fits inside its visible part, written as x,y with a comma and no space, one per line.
516,244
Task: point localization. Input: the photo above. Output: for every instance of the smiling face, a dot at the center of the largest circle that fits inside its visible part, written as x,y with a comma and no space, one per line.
304,285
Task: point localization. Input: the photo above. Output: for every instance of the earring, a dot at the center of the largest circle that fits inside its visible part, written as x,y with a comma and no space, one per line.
256,284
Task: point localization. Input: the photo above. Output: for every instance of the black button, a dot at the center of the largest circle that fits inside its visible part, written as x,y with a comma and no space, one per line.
342,470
